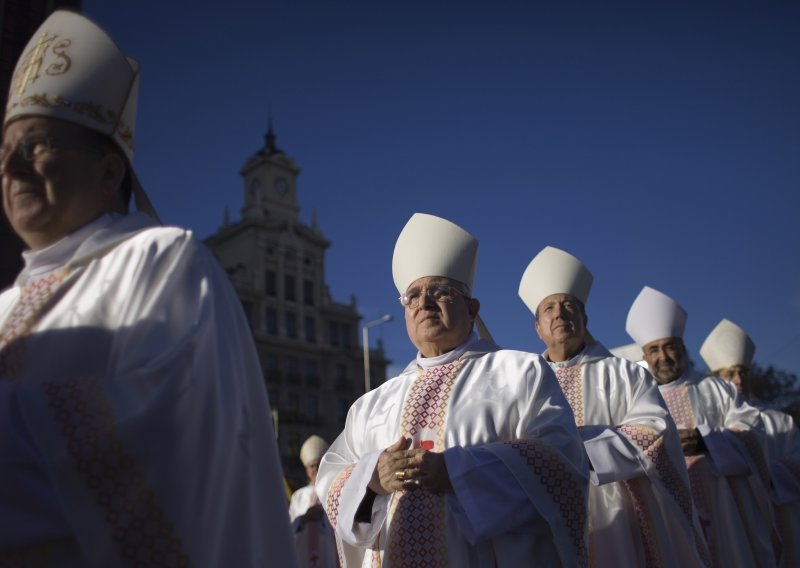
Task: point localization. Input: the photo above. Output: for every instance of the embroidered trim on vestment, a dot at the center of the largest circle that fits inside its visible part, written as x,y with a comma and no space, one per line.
140,528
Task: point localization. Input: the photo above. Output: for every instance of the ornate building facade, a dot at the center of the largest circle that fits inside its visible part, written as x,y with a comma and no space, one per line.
307,342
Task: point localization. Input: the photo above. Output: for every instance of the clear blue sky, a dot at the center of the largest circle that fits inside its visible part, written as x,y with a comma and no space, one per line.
656,141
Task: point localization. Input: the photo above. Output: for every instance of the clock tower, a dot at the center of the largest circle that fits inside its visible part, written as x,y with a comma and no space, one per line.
270,179
307,340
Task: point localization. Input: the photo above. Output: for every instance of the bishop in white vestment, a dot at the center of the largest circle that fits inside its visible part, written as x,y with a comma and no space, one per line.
640,505
724,448
313,534
470,457
728,351
134,424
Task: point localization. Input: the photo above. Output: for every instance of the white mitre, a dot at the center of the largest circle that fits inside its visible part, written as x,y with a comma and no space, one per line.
727,345
554,271
654,316
313,449
72,70
432,246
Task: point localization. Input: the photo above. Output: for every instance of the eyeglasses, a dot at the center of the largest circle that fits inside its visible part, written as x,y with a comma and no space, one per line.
442,293
33,147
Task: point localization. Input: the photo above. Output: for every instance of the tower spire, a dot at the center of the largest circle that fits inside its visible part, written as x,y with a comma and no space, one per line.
270,139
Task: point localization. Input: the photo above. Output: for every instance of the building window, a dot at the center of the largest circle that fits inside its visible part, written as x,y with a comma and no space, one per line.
292,402
333,333
271,370
288,288
341,376
308,292
311,329
312,373
312,407
291,325
345,335
271,283
292,368
271,320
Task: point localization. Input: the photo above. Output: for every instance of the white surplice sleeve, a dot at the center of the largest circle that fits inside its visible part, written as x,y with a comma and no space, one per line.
738,446
540,473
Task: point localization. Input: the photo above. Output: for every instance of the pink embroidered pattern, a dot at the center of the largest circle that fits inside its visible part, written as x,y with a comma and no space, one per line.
569,379
643,513
427,400
680,407
23,317
417,532
652,444
332,509
564,490
335,492
143,534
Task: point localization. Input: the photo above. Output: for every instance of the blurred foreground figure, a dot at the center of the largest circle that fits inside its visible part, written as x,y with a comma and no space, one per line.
721,436
728,351
134,424
640,504
313,534
470,457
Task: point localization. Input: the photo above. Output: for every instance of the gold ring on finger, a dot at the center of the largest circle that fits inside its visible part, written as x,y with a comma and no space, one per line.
400,475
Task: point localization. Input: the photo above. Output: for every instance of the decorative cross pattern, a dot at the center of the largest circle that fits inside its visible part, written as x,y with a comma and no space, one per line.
23,317
569,379
426,403
417,530
548,467
416,534
651,444
140,528
680,406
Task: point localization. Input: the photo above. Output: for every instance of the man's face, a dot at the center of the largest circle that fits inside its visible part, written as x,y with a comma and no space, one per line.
311,471
55,179
738,375
436,326
666,359
560,321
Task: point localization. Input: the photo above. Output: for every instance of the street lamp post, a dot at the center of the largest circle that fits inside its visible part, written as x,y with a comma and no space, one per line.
365,341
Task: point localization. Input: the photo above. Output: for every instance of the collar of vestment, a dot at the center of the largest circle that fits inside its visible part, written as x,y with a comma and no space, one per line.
82,245
42,262
450,356
689,376
592,351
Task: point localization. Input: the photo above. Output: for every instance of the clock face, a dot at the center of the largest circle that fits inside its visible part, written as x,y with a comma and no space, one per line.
281,186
